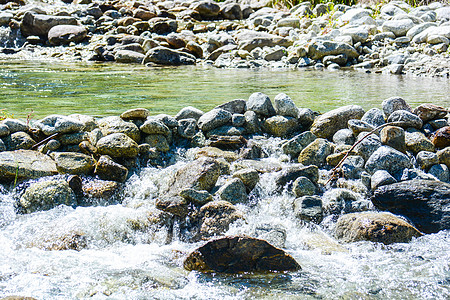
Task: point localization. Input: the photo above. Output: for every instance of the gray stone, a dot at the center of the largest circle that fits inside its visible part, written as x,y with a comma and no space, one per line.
165,56
5,18
58,124
381,177
231,11
284,106
280,126
393,104
107,169
309,208
319,49
405,119
252,123
417,141
226,130
249,176
152,126
394,137
25,164
358,34
354,14
426,159
238,120
38,24
358,126
115,124
249,40
216,218
419,28
275,55
187,128
167,120
344,137
233,191
337,201
2,146
73,163
302,186
260,104
287,176
389,159
174,205
207,9
117,145
66,34
274,234
315,153
4,130
135,114
129,56
158,141
196,197
398,27
18,140
236,106
353,166
440,171
296,144
47,195
213,119
367,146
88,121
189,112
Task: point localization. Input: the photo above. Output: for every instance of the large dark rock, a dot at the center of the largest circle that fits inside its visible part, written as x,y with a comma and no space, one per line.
239,254
65,34
426,203
166,56
36,24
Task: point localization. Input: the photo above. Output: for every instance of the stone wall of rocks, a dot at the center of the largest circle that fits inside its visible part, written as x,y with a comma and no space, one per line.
394,38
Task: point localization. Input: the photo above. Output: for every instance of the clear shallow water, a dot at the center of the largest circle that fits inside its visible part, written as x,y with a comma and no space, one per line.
125,261
109,89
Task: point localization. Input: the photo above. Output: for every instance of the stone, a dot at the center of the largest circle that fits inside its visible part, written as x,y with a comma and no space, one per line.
129,57
165,56
275,54
189,112
88,122
315,153
66,34
302,186
175,205
72,138
444,156
419,28
285,106
358,126
379,227
238,120
352,167
226,130
309,208
167,120
40,25
206,9
381,177
441,138
438,123
273,234
417,141
288,175
344,137
389,159
115,124
18,140
393,104
25,164
252,122
101,192
4,130
250,177
280,126
196,197
260,104
394,137
214,152
152,126
236,106
296,144
187,128
319,49
367,146
426,159
428,112
157,141
162,25
216,218
117,145
58,124
239,254
213,119
15,125
398,27
405,119
337,201
359,34
107,169
440,172
231,11
46,195
426,203
73,163
326,125
249,40
135,114
233,191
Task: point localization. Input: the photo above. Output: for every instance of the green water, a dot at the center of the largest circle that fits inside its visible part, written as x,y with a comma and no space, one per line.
109,89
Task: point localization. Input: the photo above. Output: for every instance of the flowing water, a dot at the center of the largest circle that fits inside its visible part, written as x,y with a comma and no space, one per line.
124,255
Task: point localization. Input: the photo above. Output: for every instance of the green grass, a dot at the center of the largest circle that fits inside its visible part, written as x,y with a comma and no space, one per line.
292,3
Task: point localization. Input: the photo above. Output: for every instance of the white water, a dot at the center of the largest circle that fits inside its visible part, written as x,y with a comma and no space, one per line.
126,261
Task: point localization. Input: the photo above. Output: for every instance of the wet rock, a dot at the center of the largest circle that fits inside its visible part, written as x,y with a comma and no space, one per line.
157,141
296,144
375,227
103,191
73,163
417,141
166,56
249,176
187,128
18,140
428,112
189,112
117,145
291,173
231,11
405,119
227,142
15,125
70,241
108,169
425,159
444,156
441,138
233,191
206,9
280,126
152,126
196,197
236,106
214,152
368,145
260,104
285,106
239,254
58,124
315,153
213,119
25,164
440,171
425,202
216,217
381,177
226,130
394,137
309,208
252,123
393,104
162,25
302,186
273,234
344,137
339,200
320,49
326,125
175,205
389,159
37,24
72,138
135,114
129,57
47,195
115,124
66,34
4,130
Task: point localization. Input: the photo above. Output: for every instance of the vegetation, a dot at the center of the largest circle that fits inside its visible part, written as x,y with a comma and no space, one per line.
292,3
4,114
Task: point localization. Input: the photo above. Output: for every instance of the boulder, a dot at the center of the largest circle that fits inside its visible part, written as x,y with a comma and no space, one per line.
73,163
326,125
249,40
291,173
117,145
394,137
116,124
375,227
368,145
152,126
285,106
216,217
260,103
15,125
236,106
309,208
381,177
46,195
107,169
25,164
441,138
358,126
175,205
319,49
239,254
129,57
405,119
280,126
398,27
189,112
444,156
233,191
296,144
66,34
231,11
315,153
428,112
426,159
426,203
393,104
135,114
196,197
249,176
58,124
18,140
158,141
187,128
213,119
302,186
206,9
40,25
374,117
417,141
389,159
103,191
166,56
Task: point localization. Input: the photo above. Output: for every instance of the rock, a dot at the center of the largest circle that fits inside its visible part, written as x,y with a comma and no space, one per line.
227,142
226,130
273,234
344,137
73,163
319,49
405,119
368,145
359,34
419,28
441,138
58,124
375,227
233,191
187,128
236,106
129,57
315,153
239,254
135,114
40,25
444,156
189,112
5,18
280,126
260,104
88,122
115,124
358,126
18,140
291,173
231,11
167,120
206,9
440,171
417,141
252,123
381,177
428,112
398,27
214,152
196,197
107,192
296,144
15,125
213,119
72,138
107,169
25,164
216,218
249,176
157,141
46,195
303,187
4,130
66,34
425,159
284,106
152,126
175,205
309,208
165,56
162,25
389,159
340,200
393,104
425,202
326,125
394,137
117,145
275,54
249,40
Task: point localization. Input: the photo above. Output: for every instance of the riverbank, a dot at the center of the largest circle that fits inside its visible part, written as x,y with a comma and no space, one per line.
394,38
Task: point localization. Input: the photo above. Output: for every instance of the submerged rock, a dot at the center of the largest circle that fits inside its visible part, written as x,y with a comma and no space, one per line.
216,217
239,254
